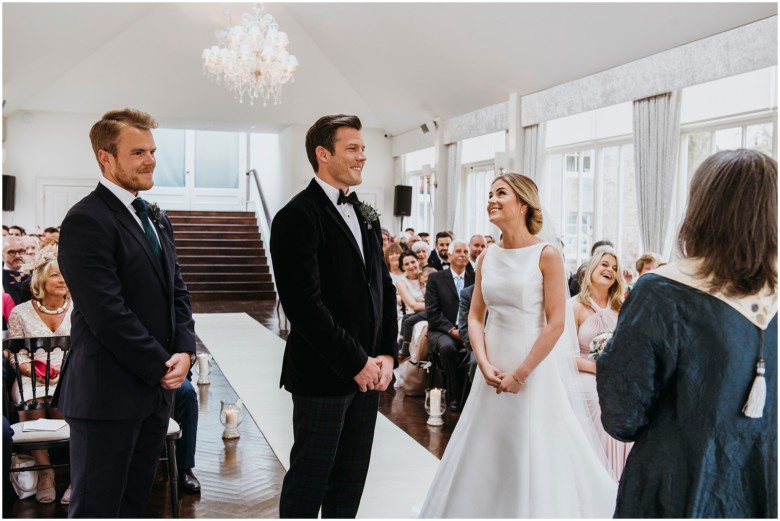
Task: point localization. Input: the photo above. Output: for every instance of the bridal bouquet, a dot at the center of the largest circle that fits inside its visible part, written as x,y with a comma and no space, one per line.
599,342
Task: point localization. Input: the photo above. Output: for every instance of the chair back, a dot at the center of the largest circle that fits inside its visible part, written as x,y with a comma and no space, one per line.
31,346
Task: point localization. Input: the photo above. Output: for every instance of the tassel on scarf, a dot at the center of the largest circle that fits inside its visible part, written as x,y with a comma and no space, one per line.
754,407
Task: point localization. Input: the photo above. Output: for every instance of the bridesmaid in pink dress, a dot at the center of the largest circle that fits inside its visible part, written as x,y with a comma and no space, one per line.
596,310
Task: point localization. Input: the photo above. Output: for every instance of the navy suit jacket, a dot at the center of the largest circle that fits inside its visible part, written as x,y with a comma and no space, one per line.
129,313
441,302
341,309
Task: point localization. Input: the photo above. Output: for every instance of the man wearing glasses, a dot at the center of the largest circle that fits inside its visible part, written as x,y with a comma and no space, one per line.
13,279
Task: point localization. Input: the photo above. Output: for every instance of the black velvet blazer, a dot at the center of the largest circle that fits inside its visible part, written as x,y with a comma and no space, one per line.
341,310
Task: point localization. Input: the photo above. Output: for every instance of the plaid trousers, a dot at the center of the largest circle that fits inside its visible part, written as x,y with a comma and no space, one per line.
330,455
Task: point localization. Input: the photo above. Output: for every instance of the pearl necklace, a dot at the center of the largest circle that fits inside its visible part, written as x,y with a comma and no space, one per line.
47,311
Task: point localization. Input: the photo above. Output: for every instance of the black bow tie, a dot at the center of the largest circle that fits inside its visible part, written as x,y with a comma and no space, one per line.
348,199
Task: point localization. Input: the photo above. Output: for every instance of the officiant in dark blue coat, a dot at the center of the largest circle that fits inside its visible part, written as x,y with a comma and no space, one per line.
691,373
336,290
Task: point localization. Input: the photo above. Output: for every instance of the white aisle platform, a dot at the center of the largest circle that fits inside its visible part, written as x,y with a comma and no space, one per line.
250,357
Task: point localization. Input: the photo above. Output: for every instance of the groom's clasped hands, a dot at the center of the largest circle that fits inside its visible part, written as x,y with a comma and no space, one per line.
376,374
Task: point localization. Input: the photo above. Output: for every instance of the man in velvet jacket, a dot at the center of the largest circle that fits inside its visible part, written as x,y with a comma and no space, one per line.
337,292
132,332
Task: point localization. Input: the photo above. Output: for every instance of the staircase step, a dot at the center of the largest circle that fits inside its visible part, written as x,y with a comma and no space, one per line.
230,286
215,228
219,243
233,295
189,267
243,260
215,235
191,213
195,276
201,250
190,219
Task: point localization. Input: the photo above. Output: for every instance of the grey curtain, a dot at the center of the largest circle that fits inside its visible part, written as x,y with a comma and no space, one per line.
533,152
656,143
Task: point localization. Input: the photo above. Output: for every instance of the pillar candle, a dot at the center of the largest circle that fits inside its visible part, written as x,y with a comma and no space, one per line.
203,363
435,402
231,419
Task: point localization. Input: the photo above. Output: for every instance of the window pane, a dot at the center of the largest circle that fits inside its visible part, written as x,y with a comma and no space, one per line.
170,167
609,164
216,159
478,181
629,249
699,148
728,139
759,137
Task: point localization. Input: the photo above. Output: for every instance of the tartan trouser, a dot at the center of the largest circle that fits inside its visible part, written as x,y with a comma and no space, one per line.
330,455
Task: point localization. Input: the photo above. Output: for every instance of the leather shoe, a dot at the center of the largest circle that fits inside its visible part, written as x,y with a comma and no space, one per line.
455,406
189,483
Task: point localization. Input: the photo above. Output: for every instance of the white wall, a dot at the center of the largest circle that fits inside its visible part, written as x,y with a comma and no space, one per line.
49,146
56,146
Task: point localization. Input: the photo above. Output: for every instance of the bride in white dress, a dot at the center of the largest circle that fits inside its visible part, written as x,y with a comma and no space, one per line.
519,449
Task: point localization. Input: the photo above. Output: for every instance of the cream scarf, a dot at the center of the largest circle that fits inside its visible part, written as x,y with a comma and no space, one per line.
759,309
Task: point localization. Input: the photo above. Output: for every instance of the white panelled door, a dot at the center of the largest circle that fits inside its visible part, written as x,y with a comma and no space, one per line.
59,196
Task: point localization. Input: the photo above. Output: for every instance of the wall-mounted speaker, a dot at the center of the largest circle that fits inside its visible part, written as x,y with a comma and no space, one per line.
9,193
402,202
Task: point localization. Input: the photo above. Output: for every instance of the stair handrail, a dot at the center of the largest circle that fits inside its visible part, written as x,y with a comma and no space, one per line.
266,226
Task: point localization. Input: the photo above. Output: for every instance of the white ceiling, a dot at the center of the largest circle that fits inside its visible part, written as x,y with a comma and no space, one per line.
396,65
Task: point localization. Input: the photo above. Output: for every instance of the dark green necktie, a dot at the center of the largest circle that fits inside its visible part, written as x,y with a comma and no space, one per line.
140,209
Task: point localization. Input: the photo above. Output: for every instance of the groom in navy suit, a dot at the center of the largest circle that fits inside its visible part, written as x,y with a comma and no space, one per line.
133,338
336,290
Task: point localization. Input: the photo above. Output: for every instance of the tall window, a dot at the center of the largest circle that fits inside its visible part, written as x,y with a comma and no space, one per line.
418,174
590,195
477,180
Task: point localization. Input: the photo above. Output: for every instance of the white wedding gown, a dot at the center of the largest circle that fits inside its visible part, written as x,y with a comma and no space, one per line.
519,455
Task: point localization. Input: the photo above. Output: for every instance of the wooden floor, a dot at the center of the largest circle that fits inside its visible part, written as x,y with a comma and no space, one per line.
243,478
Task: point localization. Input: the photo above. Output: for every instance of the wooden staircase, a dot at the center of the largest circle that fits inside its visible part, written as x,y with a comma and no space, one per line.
222,256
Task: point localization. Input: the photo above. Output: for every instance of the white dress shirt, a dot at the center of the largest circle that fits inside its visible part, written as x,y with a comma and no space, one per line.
127,198
347,211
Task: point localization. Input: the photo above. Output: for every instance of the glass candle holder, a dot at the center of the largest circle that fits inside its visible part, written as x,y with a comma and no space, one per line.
230,415
203,368
435,405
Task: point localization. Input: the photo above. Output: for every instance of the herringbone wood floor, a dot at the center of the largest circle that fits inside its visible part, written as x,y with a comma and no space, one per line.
241,478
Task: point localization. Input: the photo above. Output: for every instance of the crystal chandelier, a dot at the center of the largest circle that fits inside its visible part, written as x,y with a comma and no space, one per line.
251,58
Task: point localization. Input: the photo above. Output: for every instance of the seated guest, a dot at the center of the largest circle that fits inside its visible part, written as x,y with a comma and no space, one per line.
425,237
392,254
31,246
489,240
13,278
409,287
385,238
17,231
185,412
50,234
439,257
647,262
8,306
5,230
47,314
413,239
423,251
442,297
600,244
409,321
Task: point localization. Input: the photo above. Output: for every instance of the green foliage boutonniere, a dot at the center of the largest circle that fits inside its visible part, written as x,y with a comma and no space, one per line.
369,213
156,213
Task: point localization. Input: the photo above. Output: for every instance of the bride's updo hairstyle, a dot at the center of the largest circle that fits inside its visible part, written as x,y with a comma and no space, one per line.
731,221
526,191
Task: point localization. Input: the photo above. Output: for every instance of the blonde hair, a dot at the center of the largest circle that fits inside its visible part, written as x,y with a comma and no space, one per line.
527,193
616,290
39,276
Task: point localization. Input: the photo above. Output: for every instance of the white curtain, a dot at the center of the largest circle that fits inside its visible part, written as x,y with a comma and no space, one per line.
533,152
453,183
656,143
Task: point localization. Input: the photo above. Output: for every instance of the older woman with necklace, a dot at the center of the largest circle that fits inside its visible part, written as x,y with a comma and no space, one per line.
47,314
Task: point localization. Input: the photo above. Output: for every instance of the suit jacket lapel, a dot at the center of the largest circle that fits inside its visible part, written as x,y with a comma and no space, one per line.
130,224
334,215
